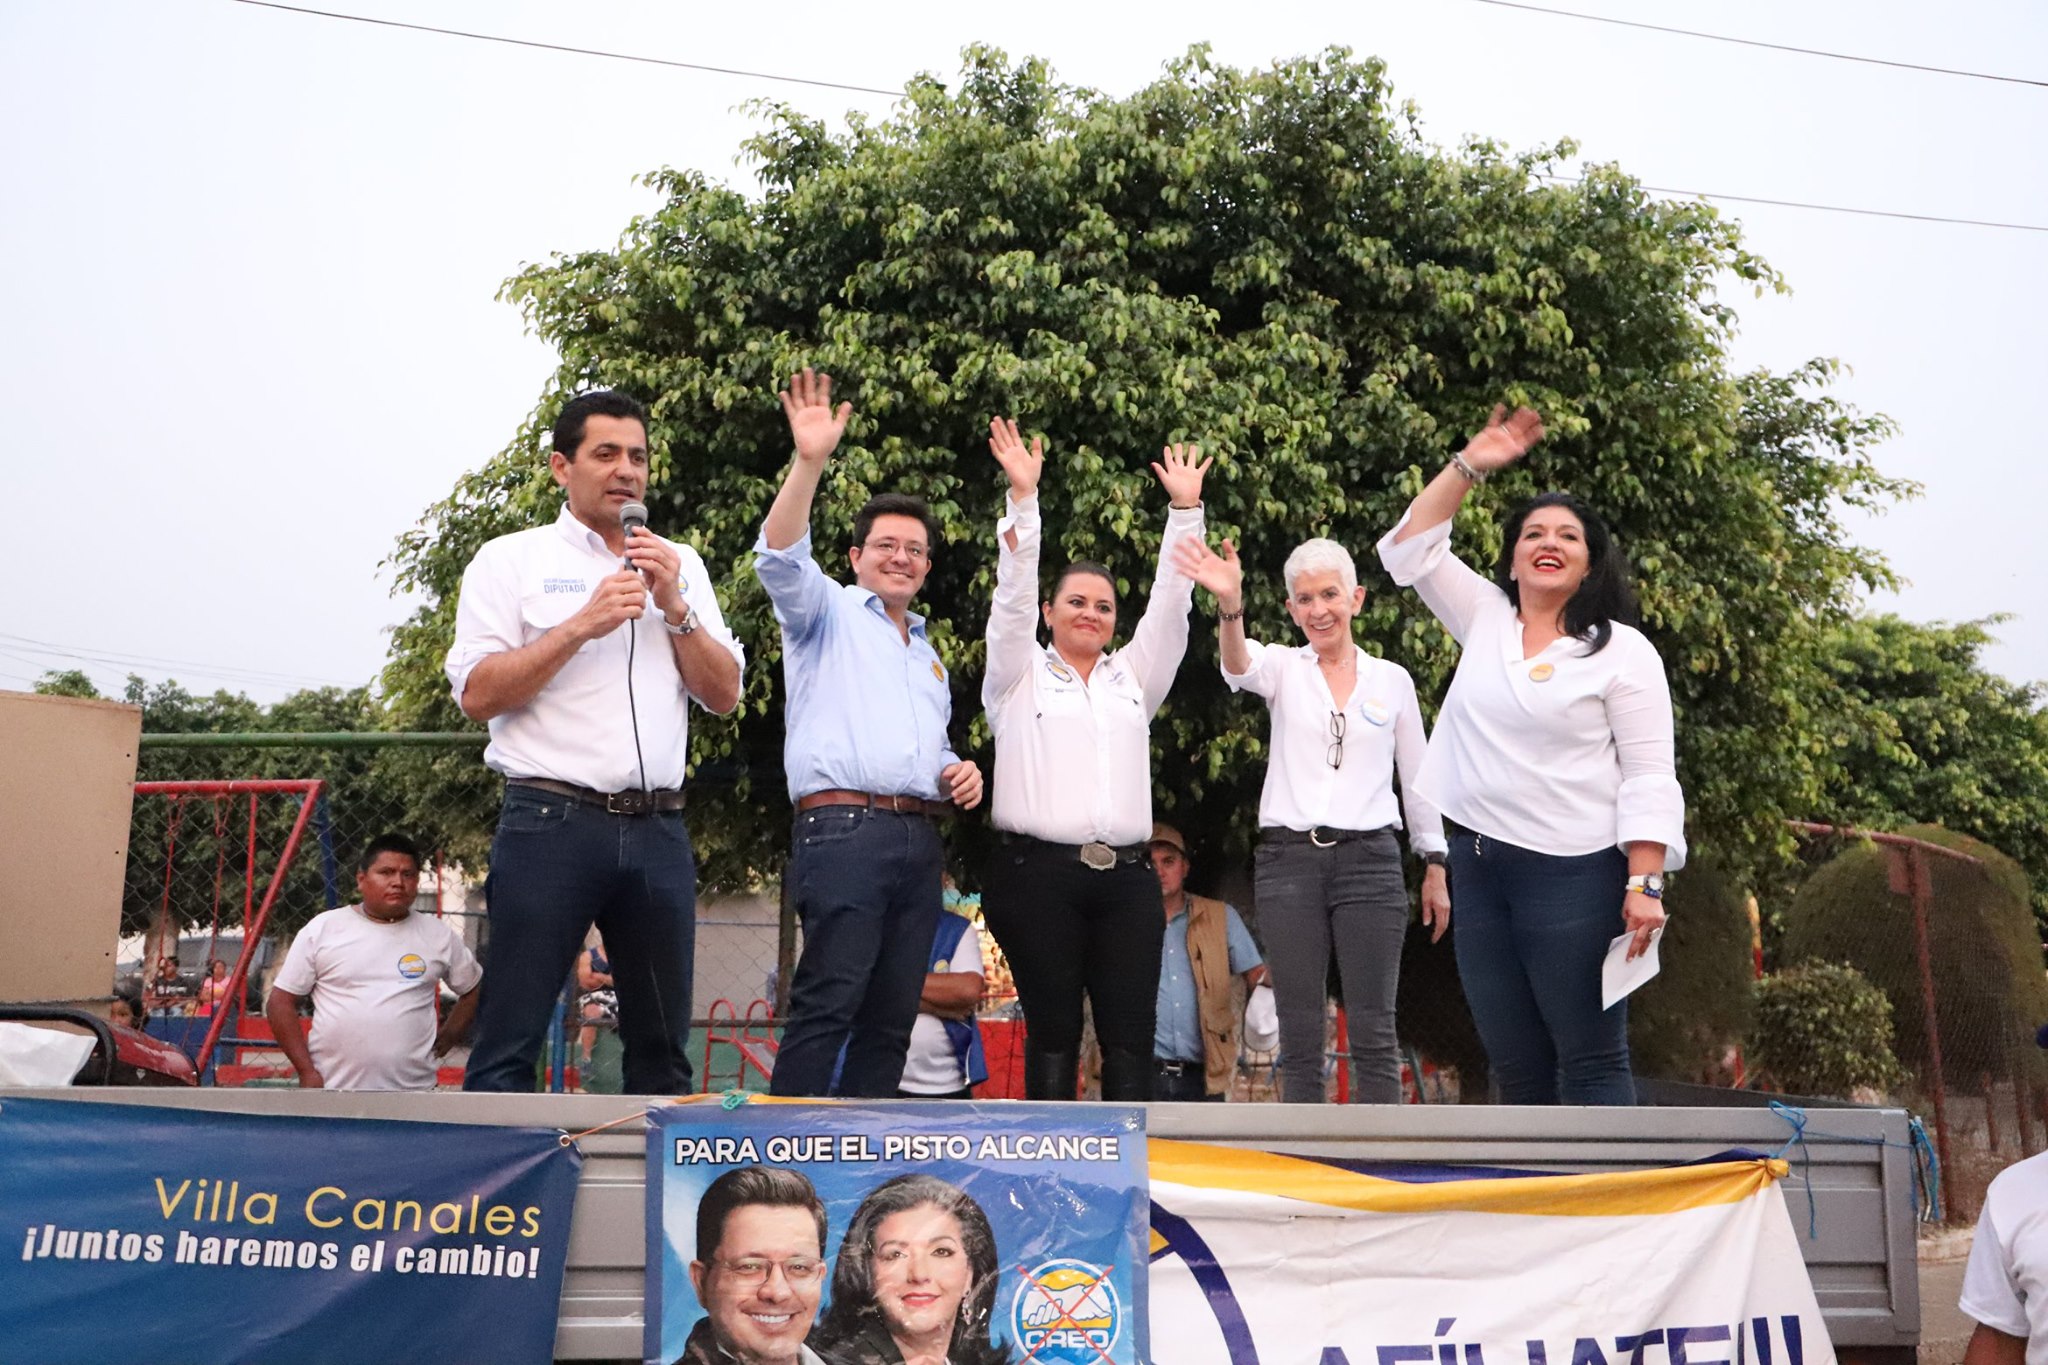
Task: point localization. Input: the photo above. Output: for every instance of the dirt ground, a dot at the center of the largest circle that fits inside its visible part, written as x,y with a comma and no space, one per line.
1944,1331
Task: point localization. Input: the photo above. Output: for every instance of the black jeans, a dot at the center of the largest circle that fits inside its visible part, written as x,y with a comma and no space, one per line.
557,866
867,891
1069,930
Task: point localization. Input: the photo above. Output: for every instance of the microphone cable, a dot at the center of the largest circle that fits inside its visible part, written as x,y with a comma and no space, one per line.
628,520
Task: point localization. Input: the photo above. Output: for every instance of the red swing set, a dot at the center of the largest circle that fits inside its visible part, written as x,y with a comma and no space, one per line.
229,1000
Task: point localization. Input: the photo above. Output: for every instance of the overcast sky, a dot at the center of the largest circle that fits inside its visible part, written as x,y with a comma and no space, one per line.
252,256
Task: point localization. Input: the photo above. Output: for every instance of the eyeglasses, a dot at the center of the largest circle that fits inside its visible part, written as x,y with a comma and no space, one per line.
1335,756
887,549
797,1270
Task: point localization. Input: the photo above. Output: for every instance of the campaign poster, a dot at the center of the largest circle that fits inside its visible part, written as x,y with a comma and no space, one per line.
139,1232
845,1234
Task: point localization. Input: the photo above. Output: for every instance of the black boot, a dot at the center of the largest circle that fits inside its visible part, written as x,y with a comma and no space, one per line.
1049,1075
1126,1076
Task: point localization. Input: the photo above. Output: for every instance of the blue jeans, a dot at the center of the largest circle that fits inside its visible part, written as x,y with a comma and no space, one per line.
557,867
1531,930
867,892
1348,898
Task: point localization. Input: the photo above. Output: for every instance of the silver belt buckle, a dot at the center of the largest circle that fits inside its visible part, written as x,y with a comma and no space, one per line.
1101,857
1318,842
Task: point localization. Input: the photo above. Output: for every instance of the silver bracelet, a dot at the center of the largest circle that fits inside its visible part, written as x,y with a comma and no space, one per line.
1458,462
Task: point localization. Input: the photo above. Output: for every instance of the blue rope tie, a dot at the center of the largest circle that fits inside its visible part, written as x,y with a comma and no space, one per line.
732,1099
1926,1165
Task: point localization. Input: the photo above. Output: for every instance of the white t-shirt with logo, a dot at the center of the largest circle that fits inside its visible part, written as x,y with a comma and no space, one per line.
2006,1283
931,1067
373,987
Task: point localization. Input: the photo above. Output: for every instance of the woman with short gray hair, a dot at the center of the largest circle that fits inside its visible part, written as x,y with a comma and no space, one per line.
1327,873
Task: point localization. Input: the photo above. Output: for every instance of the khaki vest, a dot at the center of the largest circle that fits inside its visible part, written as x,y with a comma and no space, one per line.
1215,997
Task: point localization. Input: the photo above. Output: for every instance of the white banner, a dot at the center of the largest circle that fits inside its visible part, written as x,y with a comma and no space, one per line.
1262,1259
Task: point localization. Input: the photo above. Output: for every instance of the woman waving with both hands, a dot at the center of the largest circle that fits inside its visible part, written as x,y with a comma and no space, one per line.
1553,760
1072,897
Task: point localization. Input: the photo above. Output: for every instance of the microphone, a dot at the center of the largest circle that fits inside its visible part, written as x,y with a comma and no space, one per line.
633,516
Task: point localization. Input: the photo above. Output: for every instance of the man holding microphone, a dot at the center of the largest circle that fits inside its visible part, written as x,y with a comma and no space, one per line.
586,692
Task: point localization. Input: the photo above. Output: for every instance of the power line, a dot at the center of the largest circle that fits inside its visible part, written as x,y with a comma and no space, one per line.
579,51
1511,4
1827,208
114,659
1754,42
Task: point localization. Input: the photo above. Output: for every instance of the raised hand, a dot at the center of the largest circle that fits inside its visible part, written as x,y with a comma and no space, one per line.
1221,574
814,425
1023,465
1505,438
1180,475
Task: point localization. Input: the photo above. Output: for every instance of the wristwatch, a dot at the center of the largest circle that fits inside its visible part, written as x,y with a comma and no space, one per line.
1651,884
1436,860
689,622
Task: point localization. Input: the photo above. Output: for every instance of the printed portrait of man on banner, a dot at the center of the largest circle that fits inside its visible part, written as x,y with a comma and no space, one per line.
842,1235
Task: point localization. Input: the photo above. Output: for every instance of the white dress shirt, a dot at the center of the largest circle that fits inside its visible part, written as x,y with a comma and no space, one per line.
1074,757
578,728
1562,752
1382,729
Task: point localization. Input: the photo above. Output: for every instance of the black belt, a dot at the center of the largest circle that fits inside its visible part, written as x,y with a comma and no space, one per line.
618,803
1179,1068
1322,836
1101,857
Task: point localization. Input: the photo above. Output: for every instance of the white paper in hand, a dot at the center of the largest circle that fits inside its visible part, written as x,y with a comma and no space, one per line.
1619,976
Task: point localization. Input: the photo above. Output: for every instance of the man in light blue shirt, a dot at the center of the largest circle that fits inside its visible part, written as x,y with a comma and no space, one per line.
869,766
1194,1040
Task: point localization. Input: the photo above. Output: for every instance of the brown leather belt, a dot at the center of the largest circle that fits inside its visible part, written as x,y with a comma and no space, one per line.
618,803
901,805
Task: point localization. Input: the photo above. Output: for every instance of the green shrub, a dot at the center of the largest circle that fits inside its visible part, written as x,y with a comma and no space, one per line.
1823,1029
1685,1018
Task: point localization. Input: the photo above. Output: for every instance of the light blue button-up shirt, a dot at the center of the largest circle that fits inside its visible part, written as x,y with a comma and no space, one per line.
1177,1031
866,711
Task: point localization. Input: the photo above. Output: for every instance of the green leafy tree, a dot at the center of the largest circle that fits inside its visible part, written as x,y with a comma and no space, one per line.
1925,733
1272,262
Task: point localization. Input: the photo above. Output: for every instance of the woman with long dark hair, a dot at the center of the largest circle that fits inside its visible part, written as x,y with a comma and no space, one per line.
1552,761
915,1282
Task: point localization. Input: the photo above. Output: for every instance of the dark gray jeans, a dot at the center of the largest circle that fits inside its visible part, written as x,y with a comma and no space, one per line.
1348,898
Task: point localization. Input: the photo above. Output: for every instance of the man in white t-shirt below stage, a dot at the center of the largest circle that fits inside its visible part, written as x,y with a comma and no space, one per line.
1194,1038
2005,1286
945,1060
374,972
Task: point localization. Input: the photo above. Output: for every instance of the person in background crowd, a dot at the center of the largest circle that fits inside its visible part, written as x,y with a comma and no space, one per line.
126,1011
213,991
1327,873
1553,758
1194,1048
373,971
869,765
945,1060
1069,896
587,692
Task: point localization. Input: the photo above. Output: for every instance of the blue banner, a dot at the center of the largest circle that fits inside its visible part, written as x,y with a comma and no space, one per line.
134,1231
989,1234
